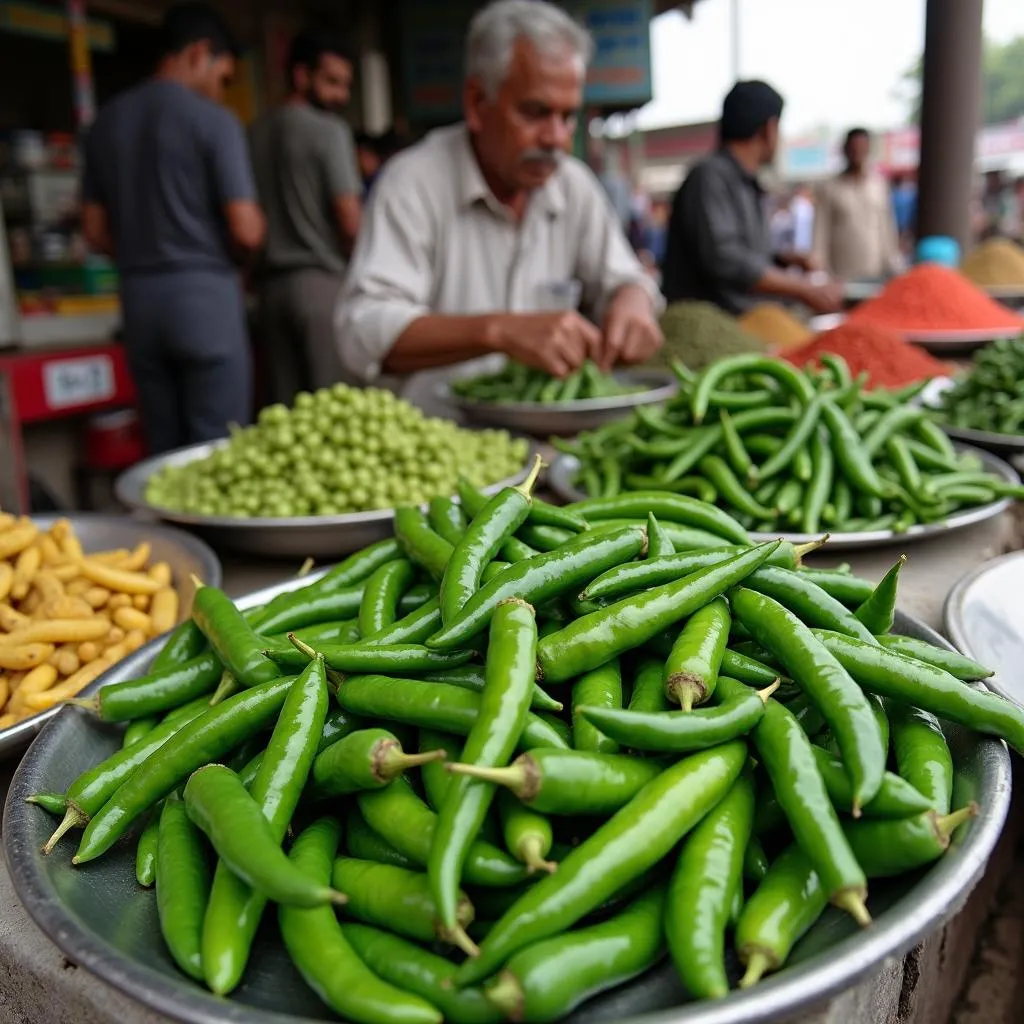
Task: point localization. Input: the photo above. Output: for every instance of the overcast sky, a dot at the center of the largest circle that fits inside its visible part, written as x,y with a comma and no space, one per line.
837,62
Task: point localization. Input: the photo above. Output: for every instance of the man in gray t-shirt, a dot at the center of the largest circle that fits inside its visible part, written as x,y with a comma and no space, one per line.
168,192
308,182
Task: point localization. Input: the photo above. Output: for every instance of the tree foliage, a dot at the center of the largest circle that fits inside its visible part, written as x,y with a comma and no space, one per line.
1002,83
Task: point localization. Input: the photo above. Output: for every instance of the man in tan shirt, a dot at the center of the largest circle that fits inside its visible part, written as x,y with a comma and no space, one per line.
477,240
855,235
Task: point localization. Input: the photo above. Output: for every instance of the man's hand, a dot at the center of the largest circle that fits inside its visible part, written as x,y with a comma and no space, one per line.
826,297
557,342
631,334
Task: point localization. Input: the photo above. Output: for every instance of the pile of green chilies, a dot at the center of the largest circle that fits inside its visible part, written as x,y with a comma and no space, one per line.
518,383
991,395
788,450
594,736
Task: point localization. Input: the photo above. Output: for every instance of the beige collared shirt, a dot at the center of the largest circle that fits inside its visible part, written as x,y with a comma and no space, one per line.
855,235
435,240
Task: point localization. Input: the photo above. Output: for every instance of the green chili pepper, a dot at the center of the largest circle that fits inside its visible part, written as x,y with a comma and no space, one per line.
853,460
569,782
317,946
156,692
447,519
780,910
691,671
648,688
737,454
668,507
896,798
208,736
528,835
182,887
395,898
956,664
359,657
420,543
231,637
95,786
52,803
497,521
398,815
755,861
218,804
544,982
601,635
379,607
629,577
748,670
362,842
787,376
922,755
430,705
504,706
145,850
236,908
817,672
699,900
434,774
898,418
599,688
899,678
413,969
183,643
681,731
137,729
811,603
804,430
851,590
788,758
888,848
414,628
365,759
659,543
821,484
879,610
472,677
540,579
731,491
630,843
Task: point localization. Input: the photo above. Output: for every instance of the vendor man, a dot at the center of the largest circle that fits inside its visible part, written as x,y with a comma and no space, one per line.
477,238
718,246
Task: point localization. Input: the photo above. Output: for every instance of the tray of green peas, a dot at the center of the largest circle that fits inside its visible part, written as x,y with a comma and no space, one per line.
322,478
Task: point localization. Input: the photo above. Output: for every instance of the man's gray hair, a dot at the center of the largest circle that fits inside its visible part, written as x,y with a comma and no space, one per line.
493,33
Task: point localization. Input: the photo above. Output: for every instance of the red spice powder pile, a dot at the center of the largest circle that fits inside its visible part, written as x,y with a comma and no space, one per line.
888,360
934,298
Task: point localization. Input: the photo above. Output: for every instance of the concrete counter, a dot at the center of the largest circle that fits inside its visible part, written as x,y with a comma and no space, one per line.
39,986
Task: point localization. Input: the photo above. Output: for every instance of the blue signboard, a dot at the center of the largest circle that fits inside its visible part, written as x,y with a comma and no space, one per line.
433,38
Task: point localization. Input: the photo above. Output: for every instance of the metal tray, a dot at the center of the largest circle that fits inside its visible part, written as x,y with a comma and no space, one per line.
562,476
568,418
103,922
295,537
186,555
985,619
930,397
939,342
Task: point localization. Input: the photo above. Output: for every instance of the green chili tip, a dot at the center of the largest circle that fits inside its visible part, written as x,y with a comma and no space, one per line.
89,703
852,901
526,487
507,995
458,936
531,852
303,647
225,688
390,761
758,964
799,550
73,818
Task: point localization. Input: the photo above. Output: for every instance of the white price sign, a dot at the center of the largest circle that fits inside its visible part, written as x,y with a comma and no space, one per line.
72,382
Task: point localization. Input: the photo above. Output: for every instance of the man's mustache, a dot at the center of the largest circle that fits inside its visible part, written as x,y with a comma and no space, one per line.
541,156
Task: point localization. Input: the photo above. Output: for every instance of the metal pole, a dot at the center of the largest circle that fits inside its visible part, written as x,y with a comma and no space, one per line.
735,40
950,112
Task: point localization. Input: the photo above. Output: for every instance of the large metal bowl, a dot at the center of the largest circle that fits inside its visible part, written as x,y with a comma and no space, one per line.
103,922
564,469
295,537
186,555
564,419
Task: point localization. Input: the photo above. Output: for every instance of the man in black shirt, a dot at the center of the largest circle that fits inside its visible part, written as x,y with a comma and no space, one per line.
718,241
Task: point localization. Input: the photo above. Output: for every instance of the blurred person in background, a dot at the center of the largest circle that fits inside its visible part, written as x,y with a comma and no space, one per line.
481,239
855,234
309,183
801,206
780,223
373,151
168,193
719,246
904,208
